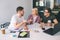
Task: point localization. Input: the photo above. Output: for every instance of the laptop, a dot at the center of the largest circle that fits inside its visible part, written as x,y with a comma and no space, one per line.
51,31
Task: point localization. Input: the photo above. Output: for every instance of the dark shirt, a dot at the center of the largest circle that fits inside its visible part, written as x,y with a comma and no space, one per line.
51,18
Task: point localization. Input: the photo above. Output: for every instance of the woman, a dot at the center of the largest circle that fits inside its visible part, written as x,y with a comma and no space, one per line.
34,17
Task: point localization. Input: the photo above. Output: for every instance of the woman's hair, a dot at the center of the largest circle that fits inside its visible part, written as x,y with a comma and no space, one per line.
49,10
35,10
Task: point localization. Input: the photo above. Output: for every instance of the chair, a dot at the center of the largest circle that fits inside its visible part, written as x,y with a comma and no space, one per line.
58,16
5,25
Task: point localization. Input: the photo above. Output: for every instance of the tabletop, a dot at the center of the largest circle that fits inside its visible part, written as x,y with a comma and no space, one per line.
40,35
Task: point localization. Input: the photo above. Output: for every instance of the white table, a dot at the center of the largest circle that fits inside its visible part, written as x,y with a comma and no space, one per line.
33,35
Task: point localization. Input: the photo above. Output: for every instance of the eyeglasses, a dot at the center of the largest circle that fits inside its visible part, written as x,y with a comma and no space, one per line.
46,12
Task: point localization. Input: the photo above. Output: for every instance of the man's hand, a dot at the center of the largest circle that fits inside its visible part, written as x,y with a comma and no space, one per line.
25,26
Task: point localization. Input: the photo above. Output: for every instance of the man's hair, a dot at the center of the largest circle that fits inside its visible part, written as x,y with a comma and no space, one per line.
19,8
49,10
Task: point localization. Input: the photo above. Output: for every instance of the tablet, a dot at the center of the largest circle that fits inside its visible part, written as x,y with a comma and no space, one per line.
24,34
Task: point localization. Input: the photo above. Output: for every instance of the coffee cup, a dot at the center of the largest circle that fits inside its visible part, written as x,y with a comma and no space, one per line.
3,30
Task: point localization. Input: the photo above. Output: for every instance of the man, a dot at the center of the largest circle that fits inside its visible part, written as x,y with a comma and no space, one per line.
17,20
48,19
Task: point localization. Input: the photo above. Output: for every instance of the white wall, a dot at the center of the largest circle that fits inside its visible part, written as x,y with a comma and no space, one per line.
51,4
8,8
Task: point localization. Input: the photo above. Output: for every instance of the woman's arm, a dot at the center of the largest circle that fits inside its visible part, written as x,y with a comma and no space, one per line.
29,20
39,19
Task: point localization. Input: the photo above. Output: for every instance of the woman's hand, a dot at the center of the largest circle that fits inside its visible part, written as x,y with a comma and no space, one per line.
24,21
29,21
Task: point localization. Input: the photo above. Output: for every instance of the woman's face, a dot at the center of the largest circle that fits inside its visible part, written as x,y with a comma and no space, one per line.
34,12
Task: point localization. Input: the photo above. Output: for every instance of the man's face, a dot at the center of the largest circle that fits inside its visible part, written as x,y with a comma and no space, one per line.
46,13
21,13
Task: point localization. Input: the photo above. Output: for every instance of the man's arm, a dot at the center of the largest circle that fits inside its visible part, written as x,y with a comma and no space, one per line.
55,21
17,25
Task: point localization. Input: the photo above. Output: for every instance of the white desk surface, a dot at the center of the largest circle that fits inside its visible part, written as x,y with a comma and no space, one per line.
33,35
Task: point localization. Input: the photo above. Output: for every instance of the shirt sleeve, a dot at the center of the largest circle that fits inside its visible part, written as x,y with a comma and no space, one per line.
13,19
29,17
53,17
38,19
